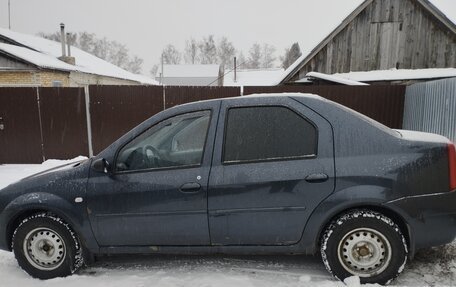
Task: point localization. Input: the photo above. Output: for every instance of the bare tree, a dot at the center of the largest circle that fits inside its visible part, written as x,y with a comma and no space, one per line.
102,49
52,36
268,57
86,41
291,55
171,55
208,50
135,65
154,70
226,52
191,51
255,55
118,54
108,50
241,61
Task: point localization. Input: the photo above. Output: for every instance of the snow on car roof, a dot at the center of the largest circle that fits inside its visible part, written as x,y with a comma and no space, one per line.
44,53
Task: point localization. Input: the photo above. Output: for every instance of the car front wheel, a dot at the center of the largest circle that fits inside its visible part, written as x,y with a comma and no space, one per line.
45,247
366,244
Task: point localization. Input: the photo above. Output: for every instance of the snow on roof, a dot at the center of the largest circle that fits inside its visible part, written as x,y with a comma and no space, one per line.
36,58
401,74
253,77
335,79
189,71
290,69
447,9
44,53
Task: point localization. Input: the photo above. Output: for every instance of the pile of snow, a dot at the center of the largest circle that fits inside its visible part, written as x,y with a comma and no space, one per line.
398,74
11,173
335,79
253,77
431,267
44,53
189,71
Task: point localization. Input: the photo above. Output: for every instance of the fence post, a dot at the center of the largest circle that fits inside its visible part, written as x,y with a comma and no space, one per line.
88,119
41,122
164,97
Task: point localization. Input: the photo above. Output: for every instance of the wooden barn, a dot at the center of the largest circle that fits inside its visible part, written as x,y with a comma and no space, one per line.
382,35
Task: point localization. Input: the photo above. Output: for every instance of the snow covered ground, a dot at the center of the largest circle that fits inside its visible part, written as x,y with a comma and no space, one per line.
431,267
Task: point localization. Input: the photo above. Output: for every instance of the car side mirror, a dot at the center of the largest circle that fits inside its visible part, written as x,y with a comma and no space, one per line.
101,165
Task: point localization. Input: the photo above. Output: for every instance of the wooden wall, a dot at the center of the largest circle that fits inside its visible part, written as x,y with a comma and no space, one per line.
11,63
387,34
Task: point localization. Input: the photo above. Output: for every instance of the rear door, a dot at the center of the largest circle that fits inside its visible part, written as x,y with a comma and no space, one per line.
272,165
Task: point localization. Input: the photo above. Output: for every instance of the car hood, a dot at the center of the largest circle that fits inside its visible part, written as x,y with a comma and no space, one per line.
55,169
59,180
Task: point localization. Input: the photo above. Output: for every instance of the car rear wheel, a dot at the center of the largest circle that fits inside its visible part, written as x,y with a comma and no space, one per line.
366,244
45,247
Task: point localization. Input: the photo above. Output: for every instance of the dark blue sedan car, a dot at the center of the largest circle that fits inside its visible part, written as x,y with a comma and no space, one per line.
265,174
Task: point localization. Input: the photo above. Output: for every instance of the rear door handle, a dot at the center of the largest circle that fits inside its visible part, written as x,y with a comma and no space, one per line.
317,177
190,187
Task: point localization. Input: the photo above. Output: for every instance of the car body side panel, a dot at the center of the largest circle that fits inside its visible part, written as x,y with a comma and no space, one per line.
147,207
368,166
363,149
54,192
432,217
267,203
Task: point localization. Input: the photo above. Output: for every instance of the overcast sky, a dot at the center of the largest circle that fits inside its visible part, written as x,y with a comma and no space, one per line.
147,26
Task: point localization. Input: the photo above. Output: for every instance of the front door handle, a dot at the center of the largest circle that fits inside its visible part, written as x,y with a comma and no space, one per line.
190,187
317,177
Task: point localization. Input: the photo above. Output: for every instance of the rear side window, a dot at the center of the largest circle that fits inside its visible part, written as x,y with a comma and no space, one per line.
267,133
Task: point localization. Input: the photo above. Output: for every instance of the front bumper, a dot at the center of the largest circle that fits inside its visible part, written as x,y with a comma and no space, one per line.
431,218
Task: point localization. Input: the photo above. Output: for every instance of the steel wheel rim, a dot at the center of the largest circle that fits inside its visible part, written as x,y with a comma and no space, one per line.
364,252
44,248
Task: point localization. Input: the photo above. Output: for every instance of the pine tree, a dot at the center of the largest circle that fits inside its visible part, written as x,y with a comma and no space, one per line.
291,55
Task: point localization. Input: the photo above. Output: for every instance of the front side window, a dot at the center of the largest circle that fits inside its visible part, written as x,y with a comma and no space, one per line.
267,133
178,141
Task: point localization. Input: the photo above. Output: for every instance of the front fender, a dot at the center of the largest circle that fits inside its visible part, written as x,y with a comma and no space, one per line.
71,212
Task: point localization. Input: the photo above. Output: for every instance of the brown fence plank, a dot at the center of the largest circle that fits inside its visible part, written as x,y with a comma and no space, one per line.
117,109
383,103
20,140
177,95
63,117
114,110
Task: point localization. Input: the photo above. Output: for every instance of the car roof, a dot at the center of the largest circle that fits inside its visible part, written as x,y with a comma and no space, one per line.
264,95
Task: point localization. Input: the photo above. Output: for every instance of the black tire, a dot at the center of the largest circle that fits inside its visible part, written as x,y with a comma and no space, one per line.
45,247
366,244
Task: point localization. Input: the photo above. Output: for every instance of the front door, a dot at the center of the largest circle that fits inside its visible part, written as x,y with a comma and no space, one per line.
157,193
273,164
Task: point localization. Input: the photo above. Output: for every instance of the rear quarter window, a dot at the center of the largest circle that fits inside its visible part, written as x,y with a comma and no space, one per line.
267,133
